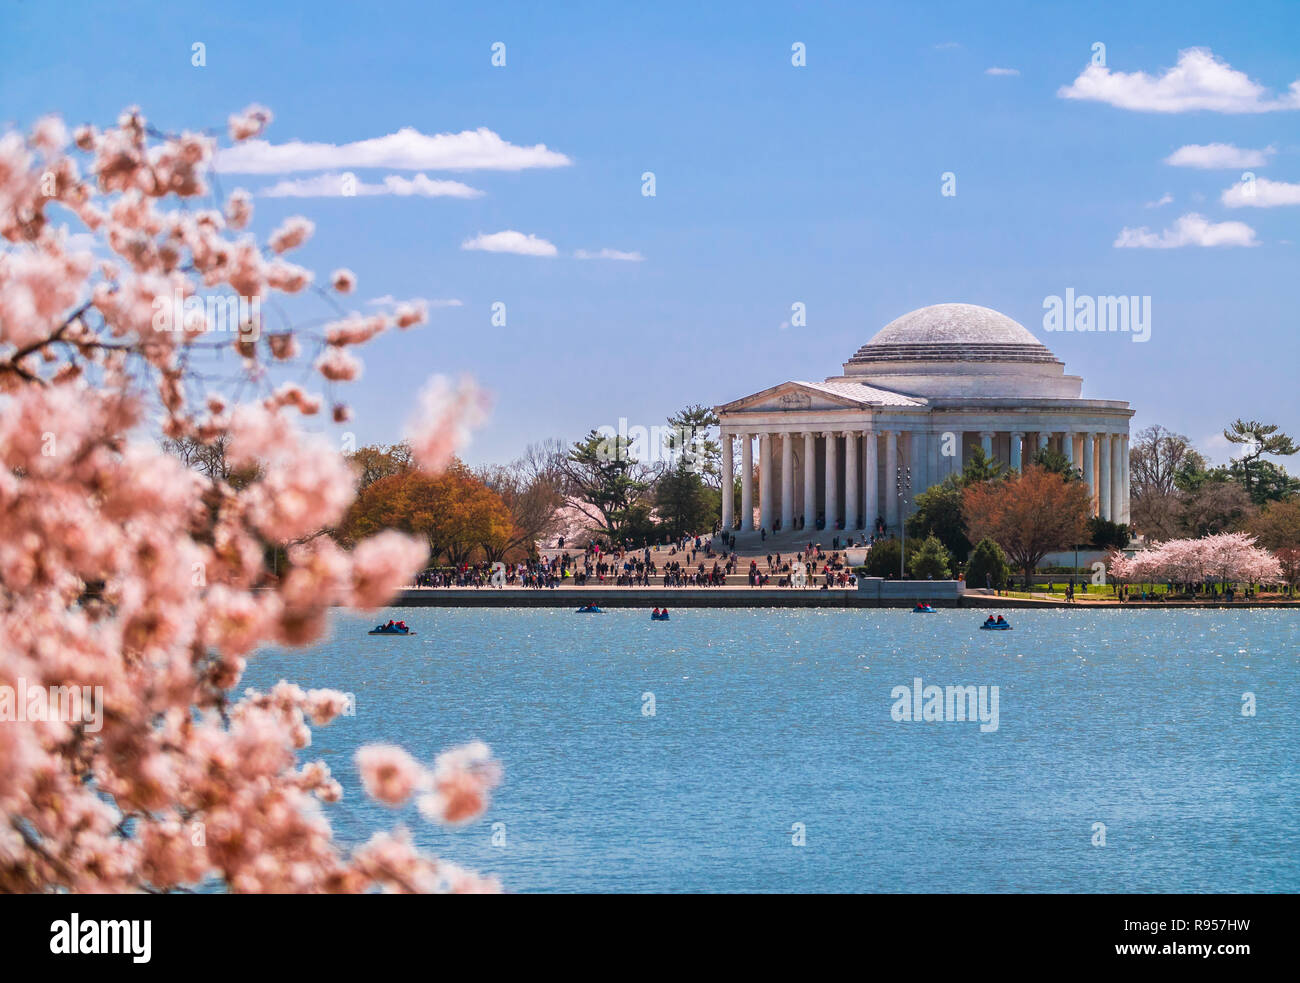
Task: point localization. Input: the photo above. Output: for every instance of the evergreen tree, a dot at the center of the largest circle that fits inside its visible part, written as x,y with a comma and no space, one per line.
938,513
685,503
1107,535
980,468
988,566
1257,439
930,560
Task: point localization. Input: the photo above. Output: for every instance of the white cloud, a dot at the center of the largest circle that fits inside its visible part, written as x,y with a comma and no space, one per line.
1198,81
334,185
1001,71
406,150
632,257
1266,194
388,300
510,241
1218,156
1190,230
947,46
1164,199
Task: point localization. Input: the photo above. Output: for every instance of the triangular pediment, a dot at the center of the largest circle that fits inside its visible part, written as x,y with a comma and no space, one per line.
799,395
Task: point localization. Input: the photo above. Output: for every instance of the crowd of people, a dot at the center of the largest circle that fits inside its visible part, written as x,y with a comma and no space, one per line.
691,561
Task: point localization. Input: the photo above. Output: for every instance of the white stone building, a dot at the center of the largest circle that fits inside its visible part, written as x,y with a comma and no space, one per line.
916,400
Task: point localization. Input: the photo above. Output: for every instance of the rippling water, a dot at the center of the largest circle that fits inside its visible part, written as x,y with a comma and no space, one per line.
768,718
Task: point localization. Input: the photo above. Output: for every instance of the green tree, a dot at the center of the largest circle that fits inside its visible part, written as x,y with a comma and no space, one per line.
690,436
930,560
1055,462
882,558
604,480
988,566
1191,472
1104,534
685,504
1257,439
980,468
938,513
639,527
1263,481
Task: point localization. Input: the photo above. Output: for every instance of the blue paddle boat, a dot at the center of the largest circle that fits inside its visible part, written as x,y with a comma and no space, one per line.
589,609
657,615
996,626
924,609
392,628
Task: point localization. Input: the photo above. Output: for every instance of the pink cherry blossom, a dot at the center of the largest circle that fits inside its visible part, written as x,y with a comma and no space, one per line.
447,415
239,208
292,234
338,365
389,773
250,122
124,569
460,785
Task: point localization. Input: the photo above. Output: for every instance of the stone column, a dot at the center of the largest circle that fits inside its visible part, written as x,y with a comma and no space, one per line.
851,470
986,441
1125,515
765,481
1116,478
871,494
934,462
891,476
1103,475
1067,446
1089,476
832,480
728,483
787,481
809,480
746,482
920,459
1044,437
1017,442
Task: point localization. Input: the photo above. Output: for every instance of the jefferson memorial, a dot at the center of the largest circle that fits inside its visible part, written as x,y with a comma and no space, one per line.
908,410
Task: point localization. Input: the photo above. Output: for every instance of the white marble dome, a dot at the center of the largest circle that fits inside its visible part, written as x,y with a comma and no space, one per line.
952,333
958,351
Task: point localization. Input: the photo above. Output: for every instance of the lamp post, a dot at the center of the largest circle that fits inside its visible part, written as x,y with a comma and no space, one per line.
903,482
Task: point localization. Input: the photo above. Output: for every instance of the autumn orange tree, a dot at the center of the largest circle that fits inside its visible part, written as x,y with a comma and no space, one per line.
375,461
454,512
1028,515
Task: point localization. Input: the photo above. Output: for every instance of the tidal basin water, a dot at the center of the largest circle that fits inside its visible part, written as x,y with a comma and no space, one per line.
768,719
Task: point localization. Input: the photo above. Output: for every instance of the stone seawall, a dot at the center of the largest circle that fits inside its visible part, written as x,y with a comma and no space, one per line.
636,597
747,597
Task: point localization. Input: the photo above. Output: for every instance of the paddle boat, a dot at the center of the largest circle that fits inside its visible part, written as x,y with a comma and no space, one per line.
657,615
999,625
924,609
589,609
392,628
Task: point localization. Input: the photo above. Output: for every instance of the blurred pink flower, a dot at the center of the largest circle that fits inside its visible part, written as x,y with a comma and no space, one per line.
389,774
446,417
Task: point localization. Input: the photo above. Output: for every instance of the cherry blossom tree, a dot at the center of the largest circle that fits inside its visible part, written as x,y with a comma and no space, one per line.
134,584
1225,557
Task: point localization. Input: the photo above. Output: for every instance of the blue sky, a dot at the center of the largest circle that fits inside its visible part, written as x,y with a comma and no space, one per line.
775,184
